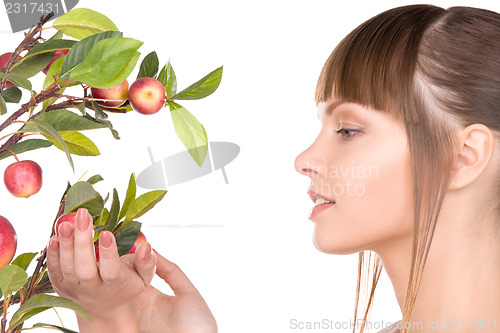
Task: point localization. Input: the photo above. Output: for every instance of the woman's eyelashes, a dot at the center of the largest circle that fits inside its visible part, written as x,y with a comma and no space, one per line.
347,132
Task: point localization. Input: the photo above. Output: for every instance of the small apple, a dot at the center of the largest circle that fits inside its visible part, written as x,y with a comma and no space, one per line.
8,242
23,178
4,59
140,239
57,54
68,217
116,95
147,95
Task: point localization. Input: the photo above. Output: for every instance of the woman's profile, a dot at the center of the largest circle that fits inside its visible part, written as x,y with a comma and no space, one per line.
409,104
411,100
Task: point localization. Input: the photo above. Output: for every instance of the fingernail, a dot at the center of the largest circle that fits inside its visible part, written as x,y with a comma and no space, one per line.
82,219
149,251
66,230
105,239
54,243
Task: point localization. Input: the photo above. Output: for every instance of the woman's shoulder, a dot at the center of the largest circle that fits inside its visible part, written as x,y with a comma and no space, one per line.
391,329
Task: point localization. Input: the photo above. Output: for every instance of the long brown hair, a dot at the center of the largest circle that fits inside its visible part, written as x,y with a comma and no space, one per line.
431,68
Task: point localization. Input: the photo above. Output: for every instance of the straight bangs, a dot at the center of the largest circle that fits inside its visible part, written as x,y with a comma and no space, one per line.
375,64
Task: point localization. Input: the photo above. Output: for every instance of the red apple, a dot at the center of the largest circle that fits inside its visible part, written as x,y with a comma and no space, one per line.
116,95
68,217
8,242
147,95
4,59
140,239
23,178
57,54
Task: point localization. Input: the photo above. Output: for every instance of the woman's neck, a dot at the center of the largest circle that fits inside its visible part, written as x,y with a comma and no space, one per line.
460,284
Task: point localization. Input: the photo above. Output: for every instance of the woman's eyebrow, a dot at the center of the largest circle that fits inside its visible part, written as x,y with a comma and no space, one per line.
330,108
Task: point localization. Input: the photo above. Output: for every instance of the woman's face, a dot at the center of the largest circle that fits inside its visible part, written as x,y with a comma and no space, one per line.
360,161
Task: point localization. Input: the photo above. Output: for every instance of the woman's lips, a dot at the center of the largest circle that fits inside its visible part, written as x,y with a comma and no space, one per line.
319,208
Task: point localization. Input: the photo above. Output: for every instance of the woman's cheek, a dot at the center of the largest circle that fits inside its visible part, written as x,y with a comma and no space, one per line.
373,205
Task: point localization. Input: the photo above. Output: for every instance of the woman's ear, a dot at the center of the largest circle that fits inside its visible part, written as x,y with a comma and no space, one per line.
476,145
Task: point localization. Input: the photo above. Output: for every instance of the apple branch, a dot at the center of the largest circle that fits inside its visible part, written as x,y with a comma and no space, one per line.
27,43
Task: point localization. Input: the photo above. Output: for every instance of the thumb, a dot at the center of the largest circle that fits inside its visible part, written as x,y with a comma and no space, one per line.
174,276
145,262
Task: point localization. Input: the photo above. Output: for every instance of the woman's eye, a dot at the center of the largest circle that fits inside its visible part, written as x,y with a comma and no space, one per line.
346,132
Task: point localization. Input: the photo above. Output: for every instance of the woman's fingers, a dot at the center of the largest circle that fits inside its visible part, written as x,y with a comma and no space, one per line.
174,276
86,267
66,251
145,262
110,264
53,265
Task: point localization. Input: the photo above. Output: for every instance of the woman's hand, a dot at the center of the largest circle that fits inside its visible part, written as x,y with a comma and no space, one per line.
186,312
105,290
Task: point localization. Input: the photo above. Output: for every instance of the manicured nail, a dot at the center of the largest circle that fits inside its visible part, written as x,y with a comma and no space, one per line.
105,239
54,243
66,230
82,219
149,251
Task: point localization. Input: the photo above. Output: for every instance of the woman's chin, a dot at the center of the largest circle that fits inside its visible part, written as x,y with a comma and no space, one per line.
335,246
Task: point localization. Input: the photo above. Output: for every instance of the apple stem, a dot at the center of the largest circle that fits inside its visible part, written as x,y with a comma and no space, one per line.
13,154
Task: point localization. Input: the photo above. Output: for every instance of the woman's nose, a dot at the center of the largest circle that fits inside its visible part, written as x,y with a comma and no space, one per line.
308,163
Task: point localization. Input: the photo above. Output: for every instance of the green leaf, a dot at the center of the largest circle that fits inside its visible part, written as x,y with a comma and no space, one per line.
54,70
101,118
3,106
202,88
12,95
53,74
167,77
12,278
50,46
131,191
113,212
94,179
58,35
81,49
66,121
62,329
123,74
47,129
17,80
190,131
41,302
33,65
26,145
149,66
82,22
143,203
126,237
80,195
78,144
23,260
105,61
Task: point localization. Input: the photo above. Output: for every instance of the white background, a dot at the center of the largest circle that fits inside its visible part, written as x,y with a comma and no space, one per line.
259,270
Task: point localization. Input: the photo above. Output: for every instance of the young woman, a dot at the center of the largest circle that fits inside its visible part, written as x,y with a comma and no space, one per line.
406,167
405,171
